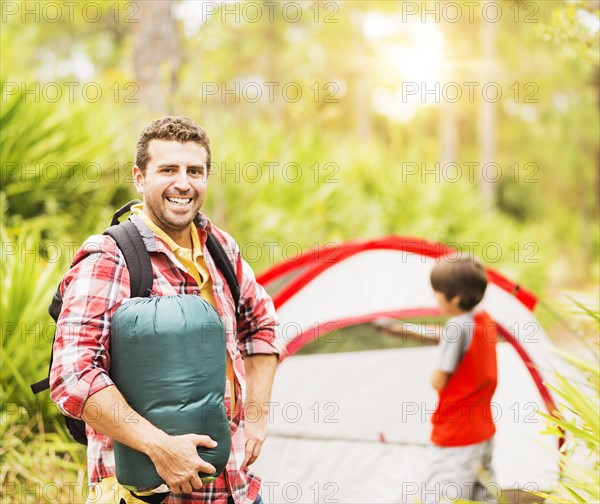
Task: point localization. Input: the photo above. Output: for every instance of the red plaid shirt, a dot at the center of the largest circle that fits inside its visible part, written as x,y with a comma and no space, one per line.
96,285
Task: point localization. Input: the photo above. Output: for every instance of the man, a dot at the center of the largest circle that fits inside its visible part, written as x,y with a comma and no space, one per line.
171,172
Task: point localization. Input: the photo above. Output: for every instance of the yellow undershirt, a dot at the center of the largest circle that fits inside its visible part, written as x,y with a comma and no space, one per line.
194,263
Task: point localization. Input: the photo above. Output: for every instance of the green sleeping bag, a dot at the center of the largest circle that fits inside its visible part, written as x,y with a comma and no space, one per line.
168,360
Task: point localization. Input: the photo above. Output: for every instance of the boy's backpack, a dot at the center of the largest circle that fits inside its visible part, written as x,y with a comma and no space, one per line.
137,258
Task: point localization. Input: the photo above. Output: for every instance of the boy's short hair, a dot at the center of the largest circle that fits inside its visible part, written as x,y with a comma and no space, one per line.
463,277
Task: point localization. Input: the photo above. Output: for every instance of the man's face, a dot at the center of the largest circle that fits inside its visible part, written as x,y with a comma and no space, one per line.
174,184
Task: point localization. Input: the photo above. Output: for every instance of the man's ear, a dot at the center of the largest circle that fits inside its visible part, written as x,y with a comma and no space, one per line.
455,300
138,179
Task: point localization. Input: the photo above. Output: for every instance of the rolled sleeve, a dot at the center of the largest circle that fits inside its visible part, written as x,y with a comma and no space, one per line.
258,330
262,342
93,382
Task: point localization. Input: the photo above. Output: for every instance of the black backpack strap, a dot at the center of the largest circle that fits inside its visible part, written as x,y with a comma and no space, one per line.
123,210
136,255
137,258
224,265
42,385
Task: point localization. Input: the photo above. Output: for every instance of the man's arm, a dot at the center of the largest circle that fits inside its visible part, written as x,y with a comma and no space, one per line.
260,371
79,381
261,346
175,457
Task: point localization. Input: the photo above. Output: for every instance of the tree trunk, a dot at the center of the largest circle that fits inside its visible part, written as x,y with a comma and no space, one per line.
448,132
487,117
361,72
156,54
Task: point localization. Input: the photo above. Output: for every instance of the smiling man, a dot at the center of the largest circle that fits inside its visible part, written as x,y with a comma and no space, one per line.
171,172
173,177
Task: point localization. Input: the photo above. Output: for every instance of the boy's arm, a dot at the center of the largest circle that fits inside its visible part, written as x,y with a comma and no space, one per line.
417,332
439,379
449,355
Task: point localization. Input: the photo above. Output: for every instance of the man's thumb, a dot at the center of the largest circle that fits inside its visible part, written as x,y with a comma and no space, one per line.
205,441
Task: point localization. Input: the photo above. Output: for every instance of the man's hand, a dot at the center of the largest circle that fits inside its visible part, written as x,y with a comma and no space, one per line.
256,433
175,457
177,461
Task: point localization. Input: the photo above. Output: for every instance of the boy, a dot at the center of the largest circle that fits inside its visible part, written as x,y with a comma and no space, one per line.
466,376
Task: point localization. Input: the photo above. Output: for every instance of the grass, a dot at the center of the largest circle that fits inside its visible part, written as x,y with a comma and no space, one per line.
579,418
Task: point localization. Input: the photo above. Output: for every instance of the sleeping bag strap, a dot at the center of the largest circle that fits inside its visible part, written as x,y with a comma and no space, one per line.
156,498
137,258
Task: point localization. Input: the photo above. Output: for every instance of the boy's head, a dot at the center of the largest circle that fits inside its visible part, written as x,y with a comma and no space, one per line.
460,282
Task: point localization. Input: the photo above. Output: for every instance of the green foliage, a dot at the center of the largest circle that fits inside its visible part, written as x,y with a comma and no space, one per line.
564,29
28,283
353,158
579,419
39,465
311,190
57,171
36,448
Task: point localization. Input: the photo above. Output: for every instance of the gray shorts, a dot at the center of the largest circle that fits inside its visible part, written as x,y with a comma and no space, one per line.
461,472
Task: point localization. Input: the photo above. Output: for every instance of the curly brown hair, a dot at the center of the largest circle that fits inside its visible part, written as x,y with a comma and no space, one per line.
463,277
178,128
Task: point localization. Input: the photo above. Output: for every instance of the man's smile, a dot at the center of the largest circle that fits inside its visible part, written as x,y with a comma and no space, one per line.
179,201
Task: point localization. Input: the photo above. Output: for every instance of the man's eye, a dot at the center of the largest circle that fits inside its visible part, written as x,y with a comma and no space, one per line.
196,171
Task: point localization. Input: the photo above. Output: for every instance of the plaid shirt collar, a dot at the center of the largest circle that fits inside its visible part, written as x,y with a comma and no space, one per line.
154,244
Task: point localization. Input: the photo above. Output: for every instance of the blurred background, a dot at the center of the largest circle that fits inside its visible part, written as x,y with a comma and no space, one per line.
474,124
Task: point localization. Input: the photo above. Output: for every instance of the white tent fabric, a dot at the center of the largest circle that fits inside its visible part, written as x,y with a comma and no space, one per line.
330,414
354,427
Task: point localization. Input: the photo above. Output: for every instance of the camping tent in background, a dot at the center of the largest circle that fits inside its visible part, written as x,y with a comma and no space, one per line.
353,427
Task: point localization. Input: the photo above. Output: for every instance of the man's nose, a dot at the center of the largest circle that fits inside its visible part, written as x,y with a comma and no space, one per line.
181,182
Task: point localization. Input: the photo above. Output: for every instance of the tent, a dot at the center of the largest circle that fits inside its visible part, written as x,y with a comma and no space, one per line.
353,427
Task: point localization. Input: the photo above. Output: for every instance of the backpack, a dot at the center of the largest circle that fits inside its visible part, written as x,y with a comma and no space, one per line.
137,258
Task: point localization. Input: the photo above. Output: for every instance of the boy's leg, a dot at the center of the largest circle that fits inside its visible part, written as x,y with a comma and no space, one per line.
487,490
449,475
454,472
